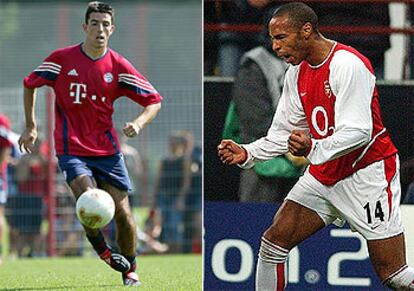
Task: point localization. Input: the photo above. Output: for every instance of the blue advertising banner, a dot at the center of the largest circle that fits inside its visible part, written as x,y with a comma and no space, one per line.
333,259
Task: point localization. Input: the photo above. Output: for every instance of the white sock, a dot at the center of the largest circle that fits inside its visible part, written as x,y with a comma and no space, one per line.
271,267
403,279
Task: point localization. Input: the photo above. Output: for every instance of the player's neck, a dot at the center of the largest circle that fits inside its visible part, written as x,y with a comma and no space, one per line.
92,52
319,51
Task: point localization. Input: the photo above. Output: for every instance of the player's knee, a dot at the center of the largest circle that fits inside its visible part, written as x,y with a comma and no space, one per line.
278,235
403,279
272,253
124,216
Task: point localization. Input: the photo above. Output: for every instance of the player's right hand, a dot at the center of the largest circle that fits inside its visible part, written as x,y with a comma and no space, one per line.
27,140
131,129
231,153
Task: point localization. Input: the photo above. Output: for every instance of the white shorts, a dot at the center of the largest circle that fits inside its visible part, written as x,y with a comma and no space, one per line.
368,200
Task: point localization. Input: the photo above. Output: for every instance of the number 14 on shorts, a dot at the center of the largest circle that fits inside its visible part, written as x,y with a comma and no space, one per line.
378,213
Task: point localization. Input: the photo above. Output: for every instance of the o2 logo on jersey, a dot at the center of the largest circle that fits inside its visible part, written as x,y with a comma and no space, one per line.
108,77
78,91
319,114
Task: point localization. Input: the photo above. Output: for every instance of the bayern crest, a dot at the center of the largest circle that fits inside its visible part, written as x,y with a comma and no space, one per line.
108,77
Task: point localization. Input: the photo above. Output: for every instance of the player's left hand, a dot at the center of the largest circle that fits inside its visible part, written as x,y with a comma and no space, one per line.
131,129
299,143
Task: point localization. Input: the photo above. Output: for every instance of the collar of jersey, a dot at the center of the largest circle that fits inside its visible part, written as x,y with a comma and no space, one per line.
326,59
94,60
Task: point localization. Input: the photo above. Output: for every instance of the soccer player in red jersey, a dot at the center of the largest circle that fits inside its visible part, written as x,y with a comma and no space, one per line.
87,78
329,113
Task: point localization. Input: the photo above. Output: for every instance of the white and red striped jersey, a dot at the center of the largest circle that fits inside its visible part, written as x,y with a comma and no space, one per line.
85,91
336,102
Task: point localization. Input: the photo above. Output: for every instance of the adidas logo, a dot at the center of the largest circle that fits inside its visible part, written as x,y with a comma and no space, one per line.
73,73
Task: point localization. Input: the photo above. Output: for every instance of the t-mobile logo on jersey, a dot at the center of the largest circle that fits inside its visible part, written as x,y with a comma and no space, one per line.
79,92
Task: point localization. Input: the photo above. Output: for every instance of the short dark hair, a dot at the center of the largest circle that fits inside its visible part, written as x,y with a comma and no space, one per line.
299,14
99,7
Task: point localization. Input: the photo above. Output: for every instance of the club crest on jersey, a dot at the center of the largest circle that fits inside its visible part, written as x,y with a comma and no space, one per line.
327,87
108,77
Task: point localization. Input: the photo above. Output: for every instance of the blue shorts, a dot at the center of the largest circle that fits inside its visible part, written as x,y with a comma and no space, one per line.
110,169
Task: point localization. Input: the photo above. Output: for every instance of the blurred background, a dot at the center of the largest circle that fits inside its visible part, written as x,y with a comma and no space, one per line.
243,80
166,48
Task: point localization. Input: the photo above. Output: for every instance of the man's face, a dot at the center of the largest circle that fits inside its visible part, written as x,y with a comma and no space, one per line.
98,29
287,41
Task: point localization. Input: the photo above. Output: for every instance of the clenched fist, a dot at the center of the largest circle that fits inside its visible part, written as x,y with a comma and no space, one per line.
299,143
131,129
231,153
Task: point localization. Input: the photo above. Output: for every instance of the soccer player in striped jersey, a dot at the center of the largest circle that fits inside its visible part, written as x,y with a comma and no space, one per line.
87,78
329,113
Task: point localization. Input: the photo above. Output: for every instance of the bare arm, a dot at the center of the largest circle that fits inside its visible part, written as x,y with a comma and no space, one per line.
29,136
133,128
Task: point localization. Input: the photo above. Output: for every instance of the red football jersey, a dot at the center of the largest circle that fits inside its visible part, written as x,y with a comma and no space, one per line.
337,103
85,91
319,107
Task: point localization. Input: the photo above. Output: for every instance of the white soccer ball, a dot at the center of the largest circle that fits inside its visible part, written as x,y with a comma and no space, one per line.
95,208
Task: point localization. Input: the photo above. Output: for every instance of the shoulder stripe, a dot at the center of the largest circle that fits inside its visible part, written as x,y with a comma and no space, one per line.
47,70
53,64
144,85
49,66
132,82
135,78
139,88
128,75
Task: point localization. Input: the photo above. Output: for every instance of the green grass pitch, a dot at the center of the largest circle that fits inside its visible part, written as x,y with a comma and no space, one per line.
157,273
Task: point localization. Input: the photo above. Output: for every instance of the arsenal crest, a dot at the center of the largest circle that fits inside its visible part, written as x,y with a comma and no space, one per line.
327,87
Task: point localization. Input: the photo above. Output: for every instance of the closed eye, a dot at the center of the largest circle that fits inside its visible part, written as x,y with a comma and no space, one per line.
277,37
